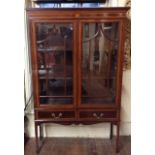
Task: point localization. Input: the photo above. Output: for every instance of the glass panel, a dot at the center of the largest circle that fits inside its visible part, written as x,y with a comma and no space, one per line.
55,62
99,59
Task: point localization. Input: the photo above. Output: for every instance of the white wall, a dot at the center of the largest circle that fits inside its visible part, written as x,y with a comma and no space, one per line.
98,130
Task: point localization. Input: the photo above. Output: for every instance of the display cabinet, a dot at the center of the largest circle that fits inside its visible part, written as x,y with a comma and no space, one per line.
77,59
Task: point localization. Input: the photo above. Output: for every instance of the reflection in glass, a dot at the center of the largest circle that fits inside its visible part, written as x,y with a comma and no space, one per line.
55,62
99,56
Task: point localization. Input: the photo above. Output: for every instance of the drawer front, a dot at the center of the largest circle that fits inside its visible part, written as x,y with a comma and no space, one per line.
97,115
56,115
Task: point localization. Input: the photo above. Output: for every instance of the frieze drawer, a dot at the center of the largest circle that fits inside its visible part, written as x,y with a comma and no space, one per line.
57,115
97,114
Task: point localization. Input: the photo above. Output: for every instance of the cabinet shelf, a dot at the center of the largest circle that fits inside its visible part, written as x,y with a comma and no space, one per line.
56,77
99,78
51,49
54,66
59,71
55,96
56,101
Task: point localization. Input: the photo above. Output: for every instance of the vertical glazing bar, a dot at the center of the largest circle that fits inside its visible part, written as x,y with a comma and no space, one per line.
109,63
46,66
65,83
89,61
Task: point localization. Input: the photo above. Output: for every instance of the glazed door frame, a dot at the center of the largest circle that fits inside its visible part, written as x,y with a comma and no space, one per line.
119,71
35,75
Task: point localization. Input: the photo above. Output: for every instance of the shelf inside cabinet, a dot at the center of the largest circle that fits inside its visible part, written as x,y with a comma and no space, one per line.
58,72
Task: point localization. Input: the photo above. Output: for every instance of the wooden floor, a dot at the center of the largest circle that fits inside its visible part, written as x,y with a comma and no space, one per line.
79,146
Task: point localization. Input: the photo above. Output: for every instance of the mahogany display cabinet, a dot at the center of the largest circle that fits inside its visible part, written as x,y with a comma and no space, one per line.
77,61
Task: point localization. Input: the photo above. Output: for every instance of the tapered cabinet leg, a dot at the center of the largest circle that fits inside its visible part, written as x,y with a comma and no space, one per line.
41,131
118,138
111,130
37,137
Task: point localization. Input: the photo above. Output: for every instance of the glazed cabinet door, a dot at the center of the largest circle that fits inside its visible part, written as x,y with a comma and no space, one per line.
54,58
99,62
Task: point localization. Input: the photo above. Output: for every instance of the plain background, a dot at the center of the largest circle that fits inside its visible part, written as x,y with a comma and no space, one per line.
12,77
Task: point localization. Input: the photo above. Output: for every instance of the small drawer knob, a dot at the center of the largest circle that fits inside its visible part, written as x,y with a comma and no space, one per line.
98,116
56,117
60,114
53,114
101,114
